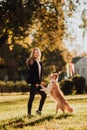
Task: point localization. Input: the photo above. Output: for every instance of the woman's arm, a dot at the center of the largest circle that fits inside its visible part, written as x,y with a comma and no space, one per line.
29,61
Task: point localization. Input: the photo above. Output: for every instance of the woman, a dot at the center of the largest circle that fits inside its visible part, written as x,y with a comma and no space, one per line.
35,74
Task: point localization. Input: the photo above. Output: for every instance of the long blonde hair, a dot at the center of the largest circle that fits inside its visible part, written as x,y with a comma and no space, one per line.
31,58
32,53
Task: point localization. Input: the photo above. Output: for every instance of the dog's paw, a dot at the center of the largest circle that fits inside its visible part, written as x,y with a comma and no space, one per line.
42,90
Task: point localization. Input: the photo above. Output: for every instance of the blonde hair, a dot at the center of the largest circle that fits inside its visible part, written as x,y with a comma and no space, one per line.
32,53
31,59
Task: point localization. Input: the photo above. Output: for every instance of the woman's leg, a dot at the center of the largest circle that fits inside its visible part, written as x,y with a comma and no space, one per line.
42,100
31,97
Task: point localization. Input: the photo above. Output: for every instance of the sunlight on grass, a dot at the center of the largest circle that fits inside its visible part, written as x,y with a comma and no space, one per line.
13,114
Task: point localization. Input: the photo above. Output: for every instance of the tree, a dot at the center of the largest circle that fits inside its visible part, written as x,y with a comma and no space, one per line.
75,14
42,20
84,25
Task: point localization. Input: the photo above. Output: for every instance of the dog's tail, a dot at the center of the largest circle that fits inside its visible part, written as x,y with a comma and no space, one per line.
69,108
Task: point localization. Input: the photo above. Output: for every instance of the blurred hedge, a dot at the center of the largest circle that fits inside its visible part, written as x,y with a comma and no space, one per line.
66,86
79,82
74,85
12,87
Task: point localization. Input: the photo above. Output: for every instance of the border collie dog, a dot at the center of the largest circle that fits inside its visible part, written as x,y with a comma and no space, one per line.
55,92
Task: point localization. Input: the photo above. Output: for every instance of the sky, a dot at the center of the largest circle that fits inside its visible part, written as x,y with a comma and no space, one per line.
75,31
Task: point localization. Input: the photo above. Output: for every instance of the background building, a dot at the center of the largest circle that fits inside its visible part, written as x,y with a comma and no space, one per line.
81,67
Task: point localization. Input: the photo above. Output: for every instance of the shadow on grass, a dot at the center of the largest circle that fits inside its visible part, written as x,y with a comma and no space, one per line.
63,116
24,121
40,120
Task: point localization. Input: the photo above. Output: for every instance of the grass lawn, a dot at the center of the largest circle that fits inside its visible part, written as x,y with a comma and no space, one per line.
13,114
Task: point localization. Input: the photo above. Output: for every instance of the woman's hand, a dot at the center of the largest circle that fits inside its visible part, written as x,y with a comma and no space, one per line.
27,61
36,85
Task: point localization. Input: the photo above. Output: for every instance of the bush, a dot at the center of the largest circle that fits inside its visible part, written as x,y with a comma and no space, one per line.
21,86
86,88
66,86
2,87
80,83
10,86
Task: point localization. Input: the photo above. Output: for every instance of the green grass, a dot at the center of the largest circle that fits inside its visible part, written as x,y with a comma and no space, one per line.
13,114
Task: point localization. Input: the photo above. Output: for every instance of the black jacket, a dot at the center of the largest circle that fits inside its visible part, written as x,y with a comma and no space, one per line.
33,73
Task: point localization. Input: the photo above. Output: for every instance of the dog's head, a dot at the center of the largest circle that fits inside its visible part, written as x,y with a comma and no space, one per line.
54,76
